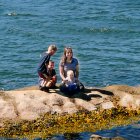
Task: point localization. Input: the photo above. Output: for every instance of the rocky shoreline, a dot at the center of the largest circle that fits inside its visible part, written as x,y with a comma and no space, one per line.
31,112
29,103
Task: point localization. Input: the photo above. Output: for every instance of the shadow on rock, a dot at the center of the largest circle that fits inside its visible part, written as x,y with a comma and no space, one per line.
86,90
82,96
95,96
104,91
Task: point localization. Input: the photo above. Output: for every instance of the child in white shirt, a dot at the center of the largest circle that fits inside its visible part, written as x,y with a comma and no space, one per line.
71,82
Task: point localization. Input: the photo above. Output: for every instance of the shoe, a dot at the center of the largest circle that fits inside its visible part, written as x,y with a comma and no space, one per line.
46,89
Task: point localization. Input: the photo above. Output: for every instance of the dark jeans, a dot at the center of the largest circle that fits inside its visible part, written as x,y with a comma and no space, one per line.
66,90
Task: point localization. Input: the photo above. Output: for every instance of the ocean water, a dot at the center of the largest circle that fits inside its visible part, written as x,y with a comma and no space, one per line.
128,132
104,35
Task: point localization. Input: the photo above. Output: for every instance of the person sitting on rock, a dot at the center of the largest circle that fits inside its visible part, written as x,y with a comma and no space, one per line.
71,83
68,62
51,78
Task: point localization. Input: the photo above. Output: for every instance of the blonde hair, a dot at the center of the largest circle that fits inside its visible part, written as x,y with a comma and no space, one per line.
70,72
52,47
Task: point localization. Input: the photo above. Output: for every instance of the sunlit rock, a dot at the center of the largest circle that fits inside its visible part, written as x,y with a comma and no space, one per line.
29,103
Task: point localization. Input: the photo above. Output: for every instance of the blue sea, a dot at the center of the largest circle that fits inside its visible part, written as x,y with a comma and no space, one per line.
104,35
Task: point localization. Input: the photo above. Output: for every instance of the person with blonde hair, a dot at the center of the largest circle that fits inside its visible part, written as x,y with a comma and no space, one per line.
71,82
44,62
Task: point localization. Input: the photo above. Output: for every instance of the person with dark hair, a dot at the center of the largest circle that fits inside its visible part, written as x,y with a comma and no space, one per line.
50,81
68,62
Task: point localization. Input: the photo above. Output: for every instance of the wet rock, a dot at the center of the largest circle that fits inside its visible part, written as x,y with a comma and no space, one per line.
98,137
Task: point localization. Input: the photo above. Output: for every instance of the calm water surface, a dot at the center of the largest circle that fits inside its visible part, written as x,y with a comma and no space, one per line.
129,132
104,35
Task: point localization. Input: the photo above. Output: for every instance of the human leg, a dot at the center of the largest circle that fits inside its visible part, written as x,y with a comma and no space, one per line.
42,83
63,88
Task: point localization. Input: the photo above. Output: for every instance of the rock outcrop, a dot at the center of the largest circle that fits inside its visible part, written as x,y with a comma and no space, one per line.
29,103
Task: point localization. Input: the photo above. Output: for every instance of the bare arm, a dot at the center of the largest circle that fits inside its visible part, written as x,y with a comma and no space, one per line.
77,71
61,71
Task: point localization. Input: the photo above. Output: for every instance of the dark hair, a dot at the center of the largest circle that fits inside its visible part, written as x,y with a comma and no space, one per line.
51,61
64,58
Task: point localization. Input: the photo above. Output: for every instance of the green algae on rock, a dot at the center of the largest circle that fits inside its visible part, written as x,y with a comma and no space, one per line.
29,112
51,124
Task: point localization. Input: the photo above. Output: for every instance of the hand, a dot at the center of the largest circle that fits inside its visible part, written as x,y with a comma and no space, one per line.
49,84
54,79
65,81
